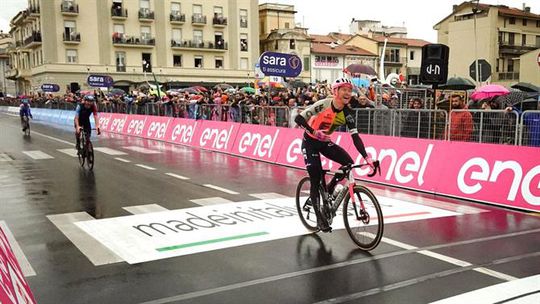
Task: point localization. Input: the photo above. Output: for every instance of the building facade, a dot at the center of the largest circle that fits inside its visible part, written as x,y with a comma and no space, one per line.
502,35
375,27
181,42
7,86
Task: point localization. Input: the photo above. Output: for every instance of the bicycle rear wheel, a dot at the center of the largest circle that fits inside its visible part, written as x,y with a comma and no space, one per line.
27,127
305,208
364,226
90,156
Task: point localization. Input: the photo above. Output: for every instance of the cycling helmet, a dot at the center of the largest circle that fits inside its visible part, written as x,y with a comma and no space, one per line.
24,101
340,82
89,98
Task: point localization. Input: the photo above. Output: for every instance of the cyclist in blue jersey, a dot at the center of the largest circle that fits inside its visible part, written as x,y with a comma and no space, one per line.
24,111
82,118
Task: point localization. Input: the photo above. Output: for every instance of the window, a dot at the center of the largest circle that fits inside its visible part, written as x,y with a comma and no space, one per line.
510,65
69,29
119,28
145,32
219,42
71,56
292,44
218,12
197,10
120,61
411,56
511,38
177,36
307,63
244,64
145,5
243,18
523,39
197,36
175,8
524,22
198,61
219,62
276,45
177,60
147,62
243,42
537,41
538,23
286,25
501,37
512,20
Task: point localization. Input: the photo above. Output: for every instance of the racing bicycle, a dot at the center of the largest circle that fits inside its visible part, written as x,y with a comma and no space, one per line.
26,125
86,152
362,214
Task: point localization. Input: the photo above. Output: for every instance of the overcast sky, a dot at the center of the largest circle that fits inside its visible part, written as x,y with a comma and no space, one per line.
323,16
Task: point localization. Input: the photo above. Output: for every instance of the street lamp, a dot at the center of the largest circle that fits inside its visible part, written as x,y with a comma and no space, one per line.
475,10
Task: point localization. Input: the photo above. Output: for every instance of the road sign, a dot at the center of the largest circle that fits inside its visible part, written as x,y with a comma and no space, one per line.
434,66
100,81
280,64
484,70
50,87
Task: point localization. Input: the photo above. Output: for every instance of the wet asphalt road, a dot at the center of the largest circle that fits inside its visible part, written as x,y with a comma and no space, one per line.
299,269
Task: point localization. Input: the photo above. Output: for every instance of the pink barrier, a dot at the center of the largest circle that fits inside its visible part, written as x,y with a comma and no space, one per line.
14,288
499,174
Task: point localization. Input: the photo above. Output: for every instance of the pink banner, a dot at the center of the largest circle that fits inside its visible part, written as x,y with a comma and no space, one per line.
14,288
182,131
216,135
259,142
156,127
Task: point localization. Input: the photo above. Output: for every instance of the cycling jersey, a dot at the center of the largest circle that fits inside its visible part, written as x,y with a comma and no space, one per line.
84,114
323,116
24,110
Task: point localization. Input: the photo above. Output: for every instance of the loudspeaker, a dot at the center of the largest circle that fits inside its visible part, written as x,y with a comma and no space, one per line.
434,67
74,87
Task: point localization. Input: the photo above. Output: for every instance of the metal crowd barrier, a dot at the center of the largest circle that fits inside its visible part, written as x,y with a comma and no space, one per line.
530,129
484,126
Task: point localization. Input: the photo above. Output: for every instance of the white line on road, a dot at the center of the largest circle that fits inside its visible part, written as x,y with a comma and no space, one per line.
96,252
19,254
141,150
122,160
71,152
109,151
37,155
145,167
268,195
142,209
177,176
53,138
211,201
4,157
220,189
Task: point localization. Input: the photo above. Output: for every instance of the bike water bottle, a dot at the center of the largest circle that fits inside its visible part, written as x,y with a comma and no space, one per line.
343,190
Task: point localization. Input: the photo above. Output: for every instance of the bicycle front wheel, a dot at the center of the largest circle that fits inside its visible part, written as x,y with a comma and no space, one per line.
364,226
305,208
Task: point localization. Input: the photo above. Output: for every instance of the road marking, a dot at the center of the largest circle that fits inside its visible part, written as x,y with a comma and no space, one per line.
499,293
211,201
177,176
122,160
145,167
37,155
109,151
267,195
71,152
97,253
142,209
141,150
220,189
53,138
5,157
26,268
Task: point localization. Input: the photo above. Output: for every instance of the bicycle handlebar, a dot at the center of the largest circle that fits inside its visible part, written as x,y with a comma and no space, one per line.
376,167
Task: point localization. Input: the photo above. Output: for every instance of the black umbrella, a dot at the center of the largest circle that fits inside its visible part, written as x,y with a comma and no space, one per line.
357,69
526,87
458,83
298,84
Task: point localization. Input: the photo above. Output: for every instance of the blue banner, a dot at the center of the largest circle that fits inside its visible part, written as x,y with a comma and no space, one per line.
50,87
100,81
280,64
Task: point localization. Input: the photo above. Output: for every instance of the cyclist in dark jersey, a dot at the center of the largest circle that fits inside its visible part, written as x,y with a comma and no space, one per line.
24,111
320,120
82,118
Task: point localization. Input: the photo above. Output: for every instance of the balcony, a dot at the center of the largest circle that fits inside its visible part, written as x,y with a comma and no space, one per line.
390,60
219,21
33,40
120,68
508,76
198,19
177,18
146,15
33,12
69,8
133,41
12,74
72,38
219,46
119,13
507,47
243,23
